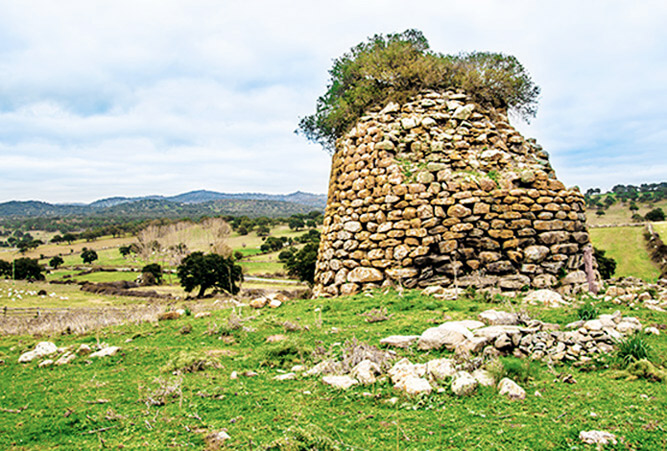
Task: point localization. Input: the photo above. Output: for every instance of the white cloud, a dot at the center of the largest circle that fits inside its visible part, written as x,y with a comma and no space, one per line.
132,98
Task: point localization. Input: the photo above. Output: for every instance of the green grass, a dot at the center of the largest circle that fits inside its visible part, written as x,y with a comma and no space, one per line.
627,246
65,406
620,213
661,229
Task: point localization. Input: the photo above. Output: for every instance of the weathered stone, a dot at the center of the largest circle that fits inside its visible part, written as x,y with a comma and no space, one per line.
545,297
366,372
598,438
495,317
341,382
484,377
463,383
106,352
511,389
42,349
364,275
400,341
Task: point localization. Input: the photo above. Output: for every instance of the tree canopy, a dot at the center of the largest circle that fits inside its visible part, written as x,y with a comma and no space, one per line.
209,271
398,66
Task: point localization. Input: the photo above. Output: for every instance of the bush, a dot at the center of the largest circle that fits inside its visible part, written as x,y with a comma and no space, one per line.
152,274
302,263
606,265
657,214
631,349
587,311
56,261
88,255
519,370
398,66
27,269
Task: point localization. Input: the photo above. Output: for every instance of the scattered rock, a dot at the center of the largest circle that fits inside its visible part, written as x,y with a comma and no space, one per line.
597,438
258,303
484,377
83,349
400,341
342,382
46,362
463,383
366,372
496,318
169,315
202,315
511,389
546,297
413,385
106,352
440,369
285,377
276,338
42,349
65,358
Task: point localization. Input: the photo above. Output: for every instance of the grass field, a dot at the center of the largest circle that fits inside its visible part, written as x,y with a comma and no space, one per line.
134,400
627,246
620,213
661,229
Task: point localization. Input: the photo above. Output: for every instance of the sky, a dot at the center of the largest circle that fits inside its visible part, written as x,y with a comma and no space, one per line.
132,98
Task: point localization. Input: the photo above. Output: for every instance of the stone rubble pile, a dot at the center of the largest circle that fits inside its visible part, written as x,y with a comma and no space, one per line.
443,190
508,333
631,291
66,355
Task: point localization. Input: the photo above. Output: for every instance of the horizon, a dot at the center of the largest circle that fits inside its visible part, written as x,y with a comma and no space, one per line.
114,100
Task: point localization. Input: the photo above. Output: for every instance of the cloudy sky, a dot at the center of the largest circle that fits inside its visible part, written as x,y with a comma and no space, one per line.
103,98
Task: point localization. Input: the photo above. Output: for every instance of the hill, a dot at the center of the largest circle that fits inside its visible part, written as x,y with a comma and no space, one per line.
191,204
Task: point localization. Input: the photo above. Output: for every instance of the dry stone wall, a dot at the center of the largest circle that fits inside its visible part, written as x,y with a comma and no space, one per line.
442,190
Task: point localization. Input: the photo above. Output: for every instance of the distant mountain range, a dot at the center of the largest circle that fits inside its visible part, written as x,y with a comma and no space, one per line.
191,204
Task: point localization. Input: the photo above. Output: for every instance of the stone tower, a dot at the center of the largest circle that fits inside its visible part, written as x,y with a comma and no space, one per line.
442,190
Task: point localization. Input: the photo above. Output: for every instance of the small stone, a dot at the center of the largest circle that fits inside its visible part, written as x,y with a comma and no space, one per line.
545,297
45,363
597,438
234,375
440,369
484,377
413,385
495,317
106,352
42,349
275,303
511,389
285,377
342,382
366,372
276,338
399,341
463,383
65,359
259,302
84,349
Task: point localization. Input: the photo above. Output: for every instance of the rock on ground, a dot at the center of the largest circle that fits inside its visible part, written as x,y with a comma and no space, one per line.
463,383
42,349
440,369
106,352
399,341
597,437
366,372
546,297
511,389
413,385
342,382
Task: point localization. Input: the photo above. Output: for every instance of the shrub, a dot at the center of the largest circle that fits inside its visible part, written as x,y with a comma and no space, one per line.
189,362
587,311
398,66
297,438
519,370
606,265
152,274
56,261
657,214
631,349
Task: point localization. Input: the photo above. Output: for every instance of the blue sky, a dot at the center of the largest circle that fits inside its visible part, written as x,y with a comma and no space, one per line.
130,98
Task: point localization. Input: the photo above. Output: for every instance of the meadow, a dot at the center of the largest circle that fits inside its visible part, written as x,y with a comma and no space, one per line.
627,246
145,397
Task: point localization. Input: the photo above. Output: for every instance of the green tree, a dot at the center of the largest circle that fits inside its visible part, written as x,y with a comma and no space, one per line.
209,271
88,255
606,265
27,269
5,269
56,261
302,263
657,214
295,223
398,66
152,274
